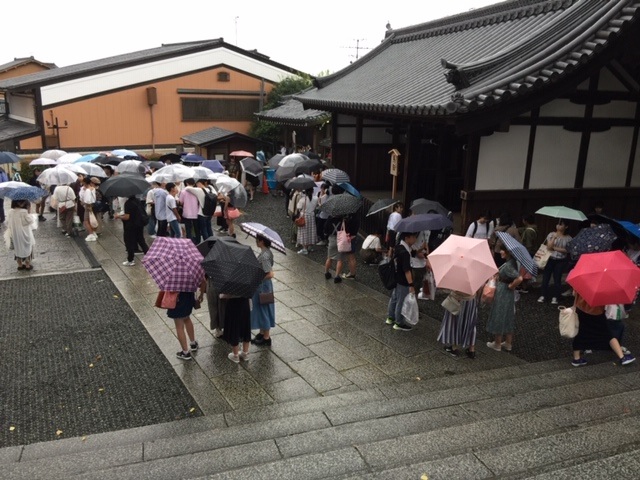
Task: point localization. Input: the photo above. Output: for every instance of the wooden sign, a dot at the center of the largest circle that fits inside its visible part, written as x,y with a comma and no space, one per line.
395,154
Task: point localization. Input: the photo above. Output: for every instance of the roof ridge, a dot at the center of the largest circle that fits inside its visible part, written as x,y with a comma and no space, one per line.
489,15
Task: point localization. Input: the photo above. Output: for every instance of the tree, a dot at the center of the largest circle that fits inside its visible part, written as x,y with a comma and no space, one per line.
272,132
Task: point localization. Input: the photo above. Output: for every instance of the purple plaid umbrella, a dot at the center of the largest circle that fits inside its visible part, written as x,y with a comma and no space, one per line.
174,264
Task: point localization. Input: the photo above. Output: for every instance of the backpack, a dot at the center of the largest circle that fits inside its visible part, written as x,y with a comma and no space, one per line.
144,218
210,202
490,224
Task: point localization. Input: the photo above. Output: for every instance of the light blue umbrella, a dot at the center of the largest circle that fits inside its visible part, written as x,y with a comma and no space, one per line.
519,252
347,187
123,153
33,194
87,158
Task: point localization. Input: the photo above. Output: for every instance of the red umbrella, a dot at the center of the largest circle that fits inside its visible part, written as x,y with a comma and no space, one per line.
605,278
174,264
241,153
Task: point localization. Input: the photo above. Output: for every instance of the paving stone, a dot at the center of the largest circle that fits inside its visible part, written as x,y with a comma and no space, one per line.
240,390
367,375
288,349
624,465
319,374
337,355
10,454
293,299
347,334
210,399
317,315
386,359
290,389
285,314
213,359
266,368
305,332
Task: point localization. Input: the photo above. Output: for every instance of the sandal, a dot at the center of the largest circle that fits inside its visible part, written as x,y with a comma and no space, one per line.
29,267
22,267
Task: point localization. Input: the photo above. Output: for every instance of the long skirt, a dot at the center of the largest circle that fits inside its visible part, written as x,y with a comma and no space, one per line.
263,317
460,329
593,333
307,235
502,317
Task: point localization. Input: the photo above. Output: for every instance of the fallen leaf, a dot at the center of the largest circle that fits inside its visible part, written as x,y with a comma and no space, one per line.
116,296
91,365
84,439
424,477
98,357
66,349
192,409
58,432
101,389
418,378
12,428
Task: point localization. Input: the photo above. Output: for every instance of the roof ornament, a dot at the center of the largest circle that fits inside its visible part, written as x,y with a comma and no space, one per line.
458,78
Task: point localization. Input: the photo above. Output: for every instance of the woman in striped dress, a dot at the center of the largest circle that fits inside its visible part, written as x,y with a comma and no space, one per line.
307,234
460,330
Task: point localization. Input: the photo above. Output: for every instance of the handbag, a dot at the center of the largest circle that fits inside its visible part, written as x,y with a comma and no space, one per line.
428,287
266,298
489,291
343,240
93,221
218,211
542,256
387,273
233,213
299,220
166,300
452,304
410,310
568,322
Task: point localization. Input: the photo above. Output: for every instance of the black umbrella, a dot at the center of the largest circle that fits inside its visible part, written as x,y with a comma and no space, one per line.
204,247
341,205
423,221
251,166
307,167
171,158
275,160
101,159
301,182
422,205
285,173
124,185
381,205
233,268
155,164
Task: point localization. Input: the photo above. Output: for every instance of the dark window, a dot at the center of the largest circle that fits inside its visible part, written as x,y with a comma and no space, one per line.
223,76
3,107
206,109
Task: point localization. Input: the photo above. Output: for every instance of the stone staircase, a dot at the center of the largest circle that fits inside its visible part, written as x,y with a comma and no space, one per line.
543,420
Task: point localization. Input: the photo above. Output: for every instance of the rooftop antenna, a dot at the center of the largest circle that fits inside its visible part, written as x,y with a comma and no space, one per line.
236,20
358,47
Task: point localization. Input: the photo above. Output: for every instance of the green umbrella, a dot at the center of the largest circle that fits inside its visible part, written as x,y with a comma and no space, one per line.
562,212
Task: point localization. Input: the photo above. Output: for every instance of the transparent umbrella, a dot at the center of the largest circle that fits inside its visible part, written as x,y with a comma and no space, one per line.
53,154
57,176
173,173
130,166
69,158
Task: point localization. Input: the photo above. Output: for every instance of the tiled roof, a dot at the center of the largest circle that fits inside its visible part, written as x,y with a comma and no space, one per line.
476,59
13,129
212,135
291,112
17,62
121,61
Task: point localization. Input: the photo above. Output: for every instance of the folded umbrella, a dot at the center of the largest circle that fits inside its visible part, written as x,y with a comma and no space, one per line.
335,175
422,205
423,221
592,240
33,194
341,205
124,185
301,182
254,229
251,166
519,252
605,278
562,212
174,264
463,264
381,205
233,268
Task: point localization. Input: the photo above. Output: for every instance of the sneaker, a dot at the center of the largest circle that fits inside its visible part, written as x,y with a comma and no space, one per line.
42,219
540,299
493,346
402,327
259,336
217,332
234,358
522,290
183,356
349,276
152,236
470,354
337,280
554,301
625,350
390,321
303,251
568,293
327,275
194,346
128,264
321,243
452,351
244,355
506,347
627,359
262,342
580,362
91,238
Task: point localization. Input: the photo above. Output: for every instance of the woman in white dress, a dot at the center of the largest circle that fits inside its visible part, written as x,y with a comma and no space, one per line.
19,222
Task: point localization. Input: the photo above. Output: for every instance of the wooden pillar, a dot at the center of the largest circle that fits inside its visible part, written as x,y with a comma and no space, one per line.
357,152
410,165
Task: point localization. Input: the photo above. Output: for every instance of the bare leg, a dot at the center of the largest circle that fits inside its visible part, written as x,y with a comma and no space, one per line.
338,268
236,349
615,346
576,354
182,337
266,334
352,264
245,346
327,265
188,324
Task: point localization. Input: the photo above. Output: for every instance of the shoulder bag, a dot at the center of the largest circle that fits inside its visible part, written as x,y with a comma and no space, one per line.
343,240
568,322
300,221
387,272
542,256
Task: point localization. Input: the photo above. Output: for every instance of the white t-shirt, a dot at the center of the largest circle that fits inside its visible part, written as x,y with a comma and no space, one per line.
484,230
394,218
171,204
372,242
422,241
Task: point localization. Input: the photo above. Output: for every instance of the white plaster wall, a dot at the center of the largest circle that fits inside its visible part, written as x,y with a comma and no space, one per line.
615,109
555,158
608,158
561,108
502,160
22,108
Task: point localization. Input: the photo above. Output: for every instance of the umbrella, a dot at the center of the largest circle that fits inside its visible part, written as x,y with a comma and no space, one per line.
255,229
170,157
233,268
341,205
519,252
301,182
307,167
174,264
631,227
592,240
292,160
463,264
605,278
87,158
251,166
102,159
213,165
57,176
93,170
204,247
241,153
9,157
42,161
121,152
155,165
10,185
173,173
285,173
53,154
193,158
113,161
423,221
422,205
335,175
275,160
347,187
124,185
69,158
33,194
130,166
77,169
562,212
201,173
381,205
233,189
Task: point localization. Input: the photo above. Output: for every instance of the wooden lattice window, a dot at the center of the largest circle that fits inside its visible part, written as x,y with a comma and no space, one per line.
224,77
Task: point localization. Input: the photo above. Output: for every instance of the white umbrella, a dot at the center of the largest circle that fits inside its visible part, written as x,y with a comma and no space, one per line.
69,158
57,176
130,166
42,161
226,183
292,160
173,173
92,169
74,167
53,154
201,172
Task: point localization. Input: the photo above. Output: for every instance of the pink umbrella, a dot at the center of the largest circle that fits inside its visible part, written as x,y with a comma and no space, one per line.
174,264
241,153
463,264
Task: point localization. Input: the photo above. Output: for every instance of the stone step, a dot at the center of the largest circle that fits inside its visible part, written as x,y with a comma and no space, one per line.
378,439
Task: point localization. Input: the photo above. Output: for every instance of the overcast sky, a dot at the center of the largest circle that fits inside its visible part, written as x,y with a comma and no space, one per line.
310,36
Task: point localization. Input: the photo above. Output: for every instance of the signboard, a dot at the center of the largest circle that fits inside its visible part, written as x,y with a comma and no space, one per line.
395,154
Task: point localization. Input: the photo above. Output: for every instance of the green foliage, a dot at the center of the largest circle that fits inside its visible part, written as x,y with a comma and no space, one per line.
271,132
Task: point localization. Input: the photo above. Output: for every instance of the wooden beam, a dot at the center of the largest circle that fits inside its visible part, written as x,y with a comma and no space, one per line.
586,136
530,148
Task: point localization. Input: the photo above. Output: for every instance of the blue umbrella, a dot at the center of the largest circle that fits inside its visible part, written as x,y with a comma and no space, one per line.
33,194
123,153
592,240
422,222
630,227
347,187
213,165
519,252
9,157
193,158
87,158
